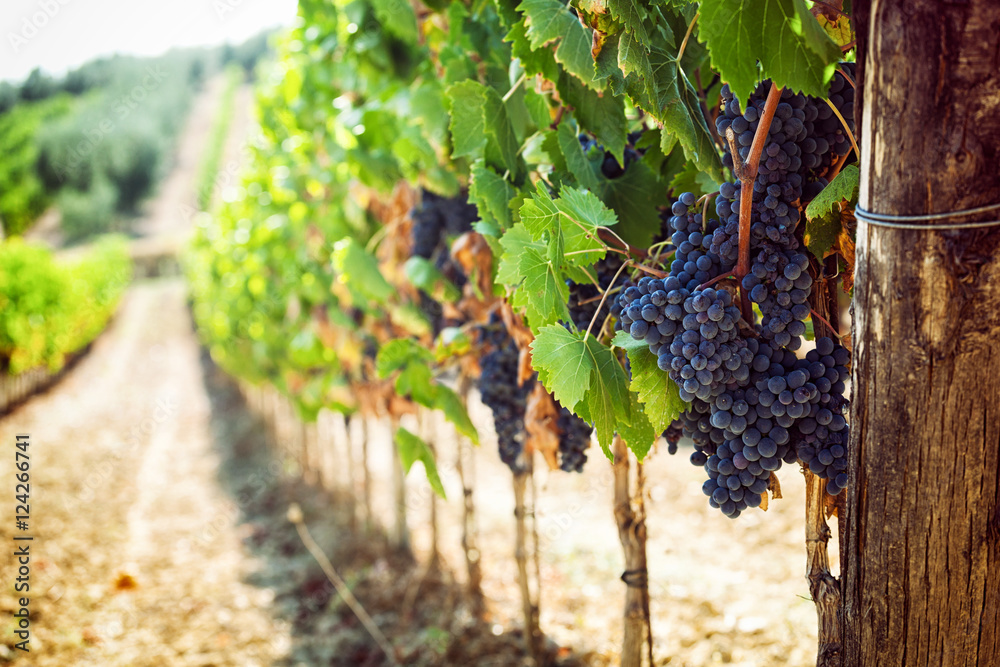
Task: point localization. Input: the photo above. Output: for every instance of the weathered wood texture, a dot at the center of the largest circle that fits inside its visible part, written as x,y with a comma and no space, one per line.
636,639
922,574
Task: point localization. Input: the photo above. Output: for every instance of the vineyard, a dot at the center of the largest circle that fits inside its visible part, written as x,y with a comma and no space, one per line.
630,236
622,222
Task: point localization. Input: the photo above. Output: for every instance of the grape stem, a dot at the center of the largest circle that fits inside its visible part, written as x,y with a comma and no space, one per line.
607,235
843,122
650,270
746,172
687,36
847,76
837,166
604,298
829,326
513,89
727,274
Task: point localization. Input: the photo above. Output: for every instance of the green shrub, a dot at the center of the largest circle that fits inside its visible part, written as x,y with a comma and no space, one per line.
23,196
87,212
50,309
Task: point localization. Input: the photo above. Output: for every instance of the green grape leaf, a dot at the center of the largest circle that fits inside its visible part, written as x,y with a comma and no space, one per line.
690,179
535,61
792,48
413,449
548,20
491,194
633,57
585,377
410,318
448,402
635,197
640,434
416,381
575,217
398,18
538,108
468,128
627,11
399,353
424,275
606,65
844,187
823,223
603,115
480,127
577,163
676,106
360,270
657,393
563,365
500,129
527,266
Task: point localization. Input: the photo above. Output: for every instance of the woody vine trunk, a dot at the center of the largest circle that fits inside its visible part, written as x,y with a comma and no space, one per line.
920,577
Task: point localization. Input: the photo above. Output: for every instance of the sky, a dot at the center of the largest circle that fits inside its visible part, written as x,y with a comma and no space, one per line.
58,35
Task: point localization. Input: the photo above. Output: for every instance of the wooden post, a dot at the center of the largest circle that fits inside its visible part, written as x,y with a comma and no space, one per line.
632,534
923,519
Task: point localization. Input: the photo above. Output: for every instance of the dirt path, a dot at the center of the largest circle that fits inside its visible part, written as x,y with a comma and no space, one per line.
172,209
125,484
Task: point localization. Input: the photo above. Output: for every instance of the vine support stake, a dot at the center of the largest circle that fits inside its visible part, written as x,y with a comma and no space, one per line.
366,479
631,520
529,610
400,532
467,475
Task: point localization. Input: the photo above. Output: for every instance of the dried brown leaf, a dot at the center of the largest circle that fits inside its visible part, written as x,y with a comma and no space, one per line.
830,504
845,246
473,254
399,406
540,423
774,486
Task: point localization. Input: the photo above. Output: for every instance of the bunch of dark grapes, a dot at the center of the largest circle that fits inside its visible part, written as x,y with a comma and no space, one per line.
734,483
574,440
821,435
779,283
609,163
435,220
694,263
754,404
694,335
500,391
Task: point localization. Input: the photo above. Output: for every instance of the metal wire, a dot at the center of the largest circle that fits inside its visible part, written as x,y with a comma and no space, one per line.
902,221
